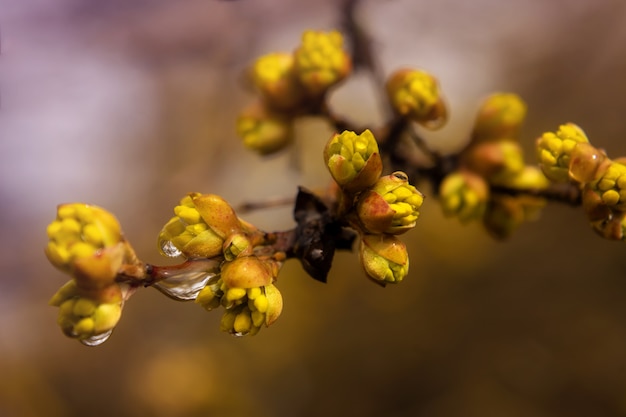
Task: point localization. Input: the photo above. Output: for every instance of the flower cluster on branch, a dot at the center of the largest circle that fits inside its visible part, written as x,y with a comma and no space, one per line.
232,265
493,159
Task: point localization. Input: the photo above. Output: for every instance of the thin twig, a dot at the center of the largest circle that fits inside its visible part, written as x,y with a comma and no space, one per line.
363,57
249,206
562,193
434,156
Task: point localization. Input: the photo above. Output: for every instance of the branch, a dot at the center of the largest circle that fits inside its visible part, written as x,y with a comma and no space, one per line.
567,193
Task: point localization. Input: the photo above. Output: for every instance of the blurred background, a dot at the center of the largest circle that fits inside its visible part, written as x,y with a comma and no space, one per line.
131,104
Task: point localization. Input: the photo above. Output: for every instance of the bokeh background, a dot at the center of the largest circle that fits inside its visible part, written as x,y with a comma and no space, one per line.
131,104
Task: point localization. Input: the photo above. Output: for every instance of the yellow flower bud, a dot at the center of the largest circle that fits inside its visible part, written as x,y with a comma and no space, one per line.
496,161
555,150
84,328
99,271
390,206
605,221
258,318
275,78
321,62
384,258
235,294
530,177
254,292
464,194
106,317
248,272
264,131
188,234
237,245
217,214
252,309
84,307
87,242
260,303
66,292
611,185
80,230
228,321
603,201
210,296
353,160
200,227
274,304
506,213
415,94
242,323
84,318
500,116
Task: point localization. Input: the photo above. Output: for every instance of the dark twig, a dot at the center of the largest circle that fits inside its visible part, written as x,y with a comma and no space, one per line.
562,193
419,141
359,40
249,206
360,45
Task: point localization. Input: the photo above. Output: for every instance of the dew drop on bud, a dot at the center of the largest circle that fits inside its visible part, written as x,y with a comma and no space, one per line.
168,249
185,283
97,339
586,163
400,175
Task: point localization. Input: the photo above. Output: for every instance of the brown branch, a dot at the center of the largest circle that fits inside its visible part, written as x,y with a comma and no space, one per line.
361,49
562,193
247,207
359,41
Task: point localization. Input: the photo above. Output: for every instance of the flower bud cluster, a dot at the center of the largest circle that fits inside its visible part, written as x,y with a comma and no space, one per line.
353,160
320,61
494,158
464,194
206,226
246,292
85,317
380,207
384,258
389,206
86,242
290,85
415,94
200,228
263,130
500,116
567,156
247,305
555,151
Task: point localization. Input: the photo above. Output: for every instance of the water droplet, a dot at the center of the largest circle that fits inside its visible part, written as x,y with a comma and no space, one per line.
168,249
185,286
97,339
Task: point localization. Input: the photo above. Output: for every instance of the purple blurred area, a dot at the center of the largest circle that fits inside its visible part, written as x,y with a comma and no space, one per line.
131,104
